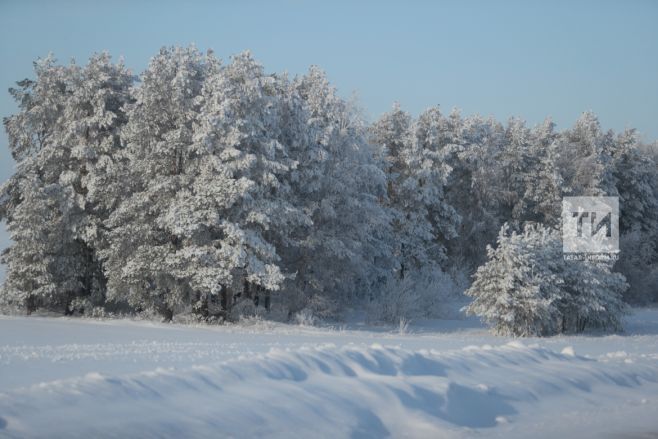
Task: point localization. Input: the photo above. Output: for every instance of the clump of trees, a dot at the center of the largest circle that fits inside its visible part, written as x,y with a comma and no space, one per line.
221,189
526,288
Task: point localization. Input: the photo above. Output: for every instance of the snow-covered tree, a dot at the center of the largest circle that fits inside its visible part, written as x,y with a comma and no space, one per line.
594,296
638,263
392,134
238,209
515,158
474,189
343,251
149,174
41,263
527,288
584,158
33,133
518,291
636,174
62,138
427,157
417,165
95,116
541,195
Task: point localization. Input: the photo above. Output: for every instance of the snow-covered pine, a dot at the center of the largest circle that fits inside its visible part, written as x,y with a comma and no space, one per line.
527,288
518,290
38,249
474,188
141,259
427,157
636,174
62,138
411,229
594,296
416,160
342,254
238,208
585,158
541,195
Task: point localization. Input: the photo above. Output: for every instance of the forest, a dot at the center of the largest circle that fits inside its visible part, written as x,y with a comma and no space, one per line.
218,190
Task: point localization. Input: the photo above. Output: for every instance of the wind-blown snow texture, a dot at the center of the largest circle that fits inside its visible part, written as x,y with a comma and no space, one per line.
281,381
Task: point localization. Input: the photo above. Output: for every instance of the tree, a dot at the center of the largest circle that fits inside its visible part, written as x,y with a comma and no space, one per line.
392,134
526,287
416,159
542,191
636,174
239,201
474,189
594,296
149,173
41,264
63,138
518,290
341,254
584,158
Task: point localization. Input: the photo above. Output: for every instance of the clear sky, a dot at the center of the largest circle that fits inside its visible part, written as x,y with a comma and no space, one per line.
503,58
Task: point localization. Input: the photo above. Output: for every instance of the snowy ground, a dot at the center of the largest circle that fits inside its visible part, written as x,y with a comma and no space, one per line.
82,378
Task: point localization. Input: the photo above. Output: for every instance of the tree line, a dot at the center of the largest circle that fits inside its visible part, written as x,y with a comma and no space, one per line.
221,190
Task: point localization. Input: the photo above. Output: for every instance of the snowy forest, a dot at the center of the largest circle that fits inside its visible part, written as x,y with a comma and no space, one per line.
217,190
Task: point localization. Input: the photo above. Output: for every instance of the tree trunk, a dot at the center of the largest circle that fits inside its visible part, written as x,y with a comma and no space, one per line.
167,314
224,299
30,305
246,291
267,301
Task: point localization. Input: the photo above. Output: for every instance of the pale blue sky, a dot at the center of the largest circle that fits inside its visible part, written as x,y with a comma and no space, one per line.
526,58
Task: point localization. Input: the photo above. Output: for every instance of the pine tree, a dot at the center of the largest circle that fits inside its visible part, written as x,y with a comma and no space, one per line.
594,296
474,188
542,192
341,254
65,132
518,290
584,157
636,174
150,171
527,288
240,200
392,133
417,164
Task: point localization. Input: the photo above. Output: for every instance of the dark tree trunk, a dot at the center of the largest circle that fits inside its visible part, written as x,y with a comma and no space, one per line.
30,305
224,299
260,292
167,314
267,301
246,290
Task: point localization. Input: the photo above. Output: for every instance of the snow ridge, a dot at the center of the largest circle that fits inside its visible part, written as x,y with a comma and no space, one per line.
336,392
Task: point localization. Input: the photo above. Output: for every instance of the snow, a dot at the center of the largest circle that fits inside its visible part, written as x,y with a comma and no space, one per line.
88,378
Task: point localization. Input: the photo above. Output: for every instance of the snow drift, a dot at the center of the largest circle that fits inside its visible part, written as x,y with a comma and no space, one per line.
347,392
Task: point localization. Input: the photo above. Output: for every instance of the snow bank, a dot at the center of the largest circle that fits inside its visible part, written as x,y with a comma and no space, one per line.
510,390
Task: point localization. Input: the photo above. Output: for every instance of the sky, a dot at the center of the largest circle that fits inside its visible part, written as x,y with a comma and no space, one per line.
530,59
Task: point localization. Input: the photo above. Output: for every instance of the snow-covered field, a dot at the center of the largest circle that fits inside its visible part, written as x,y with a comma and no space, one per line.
83,378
